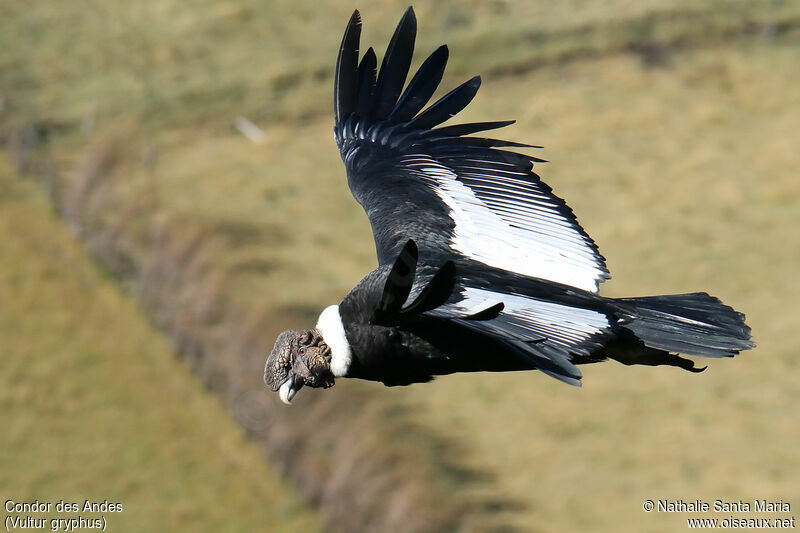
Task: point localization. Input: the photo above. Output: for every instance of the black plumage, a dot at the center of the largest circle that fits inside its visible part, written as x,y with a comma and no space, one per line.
481,266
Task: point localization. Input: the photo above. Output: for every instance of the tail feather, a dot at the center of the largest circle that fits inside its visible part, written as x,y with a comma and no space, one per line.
693,324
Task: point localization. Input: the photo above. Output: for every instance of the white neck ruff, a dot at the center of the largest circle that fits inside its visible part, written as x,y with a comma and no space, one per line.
332,329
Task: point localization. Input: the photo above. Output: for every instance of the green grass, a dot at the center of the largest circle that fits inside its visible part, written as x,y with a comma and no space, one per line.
685,175
92,61
687,180
94,406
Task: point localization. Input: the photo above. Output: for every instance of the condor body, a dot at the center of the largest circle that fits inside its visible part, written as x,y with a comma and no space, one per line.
481,266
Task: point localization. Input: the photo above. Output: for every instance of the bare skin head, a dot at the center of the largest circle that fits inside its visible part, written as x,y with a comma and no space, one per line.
299,358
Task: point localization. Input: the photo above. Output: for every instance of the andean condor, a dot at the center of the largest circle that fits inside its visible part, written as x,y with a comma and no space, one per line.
482,267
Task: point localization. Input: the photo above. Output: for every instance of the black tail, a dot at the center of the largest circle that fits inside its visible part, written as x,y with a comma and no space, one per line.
691,324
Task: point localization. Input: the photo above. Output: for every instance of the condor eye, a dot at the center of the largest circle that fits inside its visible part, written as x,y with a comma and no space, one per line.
302,350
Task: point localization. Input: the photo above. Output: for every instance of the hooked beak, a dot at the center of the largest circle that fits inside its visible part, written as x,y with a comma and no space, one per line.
289,388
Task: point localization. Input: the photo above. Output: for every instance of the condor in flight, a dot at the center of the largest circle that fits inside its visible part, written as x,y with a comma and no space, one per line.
482,267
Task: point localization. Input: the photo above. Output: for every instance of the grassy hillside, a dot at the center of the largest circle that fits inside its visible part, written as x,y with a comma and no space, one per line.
687,179
168,63
94,406
672,133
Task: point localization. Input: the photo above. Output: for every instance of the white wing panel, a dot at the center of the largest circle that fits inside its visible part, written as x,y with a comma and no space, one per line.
504,222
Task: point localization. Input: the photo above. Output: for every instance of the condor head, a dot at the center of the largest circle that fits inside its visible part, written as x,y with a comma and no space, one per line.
298,359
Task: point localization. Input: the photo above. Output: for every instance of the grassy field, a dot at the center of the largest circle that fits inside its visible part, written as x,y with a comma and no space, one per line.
168,64
687,179
681,162
94,406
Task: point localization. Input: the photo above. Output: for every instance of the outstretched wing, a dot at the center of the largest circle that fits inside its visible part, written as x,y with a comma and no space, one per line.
534,329
461,198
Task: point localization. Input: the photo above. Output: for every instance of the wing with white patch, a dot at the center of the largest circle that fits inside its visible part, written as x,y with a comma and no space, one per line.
504,219
547,334
457,196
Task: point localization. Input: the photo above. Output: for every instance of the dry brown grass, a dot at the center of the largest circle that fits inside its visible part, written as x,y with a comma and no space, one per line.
682,206
94,406
687,179
363,468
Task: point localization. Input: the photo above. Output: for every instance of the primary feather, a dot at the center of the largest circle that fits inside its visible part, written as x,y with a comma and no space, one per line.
469,199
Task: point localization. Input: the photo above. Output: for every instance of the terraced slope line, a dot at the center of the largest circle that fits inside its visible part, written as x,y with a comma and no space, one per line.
94,406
